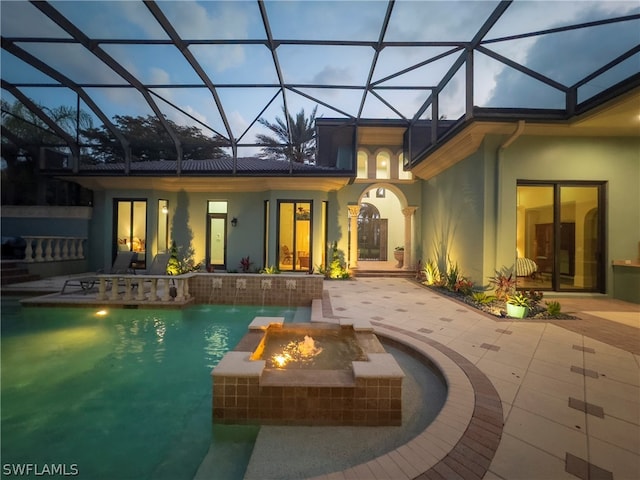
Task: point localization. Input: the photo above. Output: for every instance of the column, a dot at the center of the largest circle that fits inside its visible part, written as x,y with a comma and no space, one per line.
354,211
408,246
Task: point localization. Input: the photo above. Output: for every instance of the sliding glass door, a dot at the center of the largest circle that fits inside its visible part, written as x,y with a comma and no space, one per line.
560,236
294,235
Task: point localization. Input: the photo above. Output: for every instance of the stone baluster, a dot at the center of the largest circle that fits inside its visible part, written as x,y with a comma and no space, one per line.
28,253
39,257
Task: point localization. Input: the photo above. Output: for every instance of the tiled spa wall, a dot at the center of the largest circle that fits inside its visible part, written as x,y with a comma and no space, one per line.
256,289
369,402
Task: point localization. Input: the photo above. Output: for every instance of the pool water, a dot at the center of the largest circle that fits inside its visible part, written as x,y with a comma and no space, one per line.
122,395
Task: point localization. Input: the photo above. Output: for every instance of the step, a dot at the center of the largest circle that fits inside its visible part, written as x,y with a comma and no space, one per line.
384,273
15,272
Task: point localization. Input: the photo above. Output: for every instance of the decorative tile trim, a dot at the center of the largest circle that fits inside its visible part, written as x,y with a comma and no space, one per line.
588,408
503,331
491,347
584,371
585,470
584,349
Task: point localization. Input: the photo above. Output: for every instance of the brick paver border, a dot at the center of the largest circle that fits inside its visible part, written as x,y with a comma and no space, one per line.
472,455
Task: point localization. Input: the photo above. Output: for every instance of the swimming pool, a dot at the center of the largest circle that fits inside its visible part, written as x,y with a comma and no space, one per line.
126,394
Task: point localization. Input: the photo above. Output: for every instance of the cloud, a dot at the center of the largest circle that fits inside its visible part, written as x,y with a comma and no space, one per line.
330,74
565,58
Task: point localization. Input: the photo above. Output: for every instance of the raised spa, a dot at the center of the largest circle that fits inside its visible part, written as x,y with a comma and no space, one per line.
308,374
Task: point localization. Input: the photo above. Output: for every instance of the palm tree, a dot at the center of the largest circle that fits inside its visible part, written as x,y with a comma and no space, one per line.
299,148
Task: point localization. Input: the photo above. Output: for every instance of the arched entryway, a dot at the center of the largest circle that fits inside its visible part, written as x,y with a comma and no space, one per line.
379,223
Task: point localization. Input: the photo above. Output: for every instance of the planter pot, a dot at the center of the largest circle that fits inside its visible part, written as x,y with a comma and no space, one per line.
516,311
399,256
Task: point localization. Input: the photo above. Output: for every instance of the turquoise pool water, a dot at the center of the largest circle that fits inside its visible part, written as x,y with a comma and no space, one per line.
125,395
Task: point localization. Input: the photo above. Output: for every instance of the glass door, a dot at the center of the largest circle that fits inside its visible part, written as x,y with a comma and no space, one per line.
559,237
294,236
579,257
216,251
130,230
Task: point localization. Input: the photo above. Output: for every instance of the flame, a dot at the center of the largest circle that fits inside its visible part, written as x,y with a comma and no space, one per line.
301,352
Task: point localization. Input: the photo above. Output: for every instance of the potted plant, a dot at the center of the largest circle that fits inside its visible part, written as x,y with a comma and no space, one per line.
398,254
518,305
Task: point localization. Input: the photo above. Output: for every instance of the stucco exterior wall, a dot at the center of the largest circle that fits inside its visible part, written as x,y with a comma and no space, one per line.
454,218
466,218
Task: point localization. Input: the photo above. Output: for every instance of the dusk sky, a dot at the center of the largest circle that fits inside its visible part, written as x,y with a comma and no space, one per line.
565,57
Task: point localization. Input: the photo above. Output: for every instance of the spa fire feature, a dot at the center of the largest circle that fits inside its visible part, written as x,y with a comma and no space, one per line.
308,374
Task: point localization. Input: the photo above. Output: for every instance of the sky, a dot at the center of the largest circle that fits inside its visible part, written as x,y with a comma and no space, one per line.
564,57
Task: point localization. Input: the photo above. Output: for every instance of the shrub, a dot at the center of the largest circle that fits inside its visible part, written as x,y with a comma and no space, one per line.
503,283
245,264
463,286
270,270
337,268
553,308
519,299
177,265
482,298
451,276
431,273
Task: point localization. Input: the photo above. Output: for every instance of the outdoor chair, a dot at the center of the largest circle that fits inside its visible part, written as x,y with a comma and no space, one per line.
158,267
121,265
286,255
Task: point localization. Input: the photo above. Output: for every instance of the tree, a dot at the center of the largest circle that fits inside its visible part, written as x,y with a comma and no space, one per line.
299,148
23,134
150,141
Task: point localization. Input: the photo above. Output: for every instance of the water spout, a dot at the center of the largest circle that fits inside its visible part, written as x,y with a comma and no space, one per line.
266,285
290,285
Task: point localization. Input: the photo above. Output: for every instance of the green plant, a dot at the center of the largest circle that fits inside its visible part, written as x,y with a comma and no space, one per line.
178,265
399,249
431,273
451,276
337,268
503,283
519,299
270,270
482,298
553,308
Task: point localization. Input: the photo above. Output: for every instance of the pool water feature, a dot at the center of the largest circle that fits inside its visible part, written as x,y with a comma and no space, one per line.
308,374
123,395
299,346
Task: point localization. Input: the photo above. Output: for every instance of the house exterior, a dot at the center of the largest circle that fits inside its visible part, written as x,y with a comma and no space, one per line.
564,195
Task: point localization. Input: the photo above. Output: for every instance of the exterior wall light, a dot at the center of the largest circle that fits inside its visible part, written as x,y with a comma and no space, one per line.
234,222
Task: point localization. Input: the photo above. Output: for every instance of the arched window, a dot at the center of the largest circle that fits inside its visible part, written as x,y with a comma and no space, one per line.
363,160
402,174
383,165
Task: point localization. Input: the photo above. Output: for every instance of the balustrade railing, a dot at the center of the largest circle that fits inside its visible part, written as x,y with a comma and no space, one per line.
53,248
143,288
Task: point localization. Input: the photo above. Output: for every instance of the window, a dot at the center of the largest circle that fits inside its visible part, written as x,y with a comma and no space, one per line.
383,165
363,160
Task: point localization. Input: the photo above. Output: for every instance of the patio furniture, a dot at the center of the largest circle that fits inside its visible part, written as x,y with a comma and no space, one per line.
121,265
